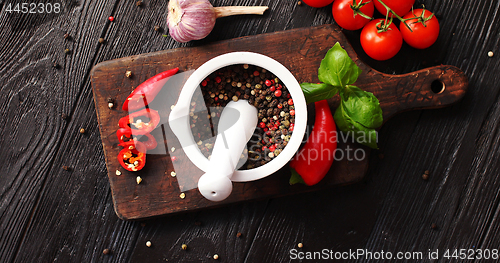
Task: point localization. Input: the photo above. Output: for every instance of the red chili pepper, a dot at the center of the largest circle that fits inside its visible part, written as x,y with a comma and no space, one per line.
136,121
314,160
125,135
133,155
147,91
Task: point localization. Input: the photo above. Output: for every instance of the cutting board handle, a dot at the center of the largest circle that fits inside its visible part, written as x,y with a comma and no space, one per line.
429,88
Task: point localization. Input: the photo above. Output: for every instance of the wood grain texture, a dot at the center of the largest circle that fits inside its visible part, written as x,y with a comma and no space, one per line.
301,51
392,209
33,97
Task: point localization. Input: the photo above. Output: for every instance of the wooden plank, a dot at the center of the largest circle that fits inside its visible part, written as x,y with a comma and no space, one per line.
301,53
463,42
33,97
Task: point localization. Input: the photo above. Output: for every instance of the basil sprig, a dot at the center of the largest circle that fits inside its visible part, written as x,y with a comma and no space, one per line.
359,112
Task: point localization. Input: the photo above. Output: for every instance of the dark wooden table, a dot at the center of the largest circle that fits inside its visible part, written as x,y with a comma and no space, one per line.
48,213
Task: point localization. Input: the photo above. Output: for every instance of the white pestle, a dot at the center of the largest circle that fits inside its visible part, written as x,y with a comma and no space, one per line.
236,126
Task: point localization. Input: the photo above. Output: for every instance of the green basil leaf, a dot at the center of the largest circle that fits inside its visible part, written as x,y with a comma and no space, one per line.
359,114
360,133
316,92
296,178
337,68
362,107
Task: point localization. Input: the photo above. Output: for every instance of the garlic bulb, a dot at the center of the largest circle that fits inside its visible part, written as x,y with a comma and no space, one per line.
194,19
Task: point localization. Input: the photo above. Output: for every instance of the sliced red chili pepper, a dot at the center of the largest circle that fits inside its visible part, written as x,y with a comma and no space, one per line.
151,142
133,156
141,122
314,160
125,135
147,91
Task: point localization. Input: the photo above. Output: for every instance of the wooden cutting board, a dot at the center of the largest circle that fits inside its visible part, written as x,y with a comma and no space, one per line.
301,51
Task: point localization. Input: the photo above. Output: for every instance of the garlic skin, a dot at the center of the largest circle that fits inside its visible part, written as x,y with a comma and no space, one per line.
190,19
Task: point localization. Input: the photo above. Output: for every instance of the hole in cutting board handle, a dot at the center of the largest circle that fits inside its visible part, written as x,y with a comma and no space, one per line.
214,193
437,86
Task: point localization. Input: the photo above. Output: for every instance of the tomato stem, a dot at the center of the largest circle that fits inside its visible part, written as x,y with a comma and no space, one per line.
420,19
356,9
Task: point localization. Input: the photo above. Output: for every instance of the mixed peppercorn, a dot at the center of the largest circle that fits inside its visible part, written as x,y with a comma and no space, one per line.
262,89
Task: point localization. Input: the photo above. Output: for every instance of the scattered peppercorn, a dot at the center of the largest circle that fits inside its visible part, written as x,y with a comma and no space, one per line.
128,73
67,51
426,172
425,176
216,256
300,245
239,234
118,173
138,179
138,3
157,28
66,36
299,3
111,19
105,251
433,226
101,40
82,130
148,243
184,247
182,195
66,168
490,54
64,116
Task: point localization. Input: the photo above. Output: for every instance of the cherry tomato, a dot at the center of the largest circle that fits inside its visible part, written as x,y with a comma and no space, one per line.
400,7
420,36
344,14
381,46
317,3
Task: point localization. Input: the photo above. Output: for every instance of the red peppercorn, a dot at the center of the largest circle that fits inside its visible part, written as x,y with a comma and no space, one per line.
204,83
218,79
290,129
272,89
292,124
279,86
288,96
268,83
272,82
290,102
111,18
264,148
174,158
262,125
267,132
216,98
277,93
292,112
272,148
280,106
256,73
266,129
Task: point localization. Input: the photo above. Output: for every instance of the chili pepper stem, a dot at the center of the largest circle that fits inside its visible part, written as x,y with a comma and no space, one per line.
224,11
